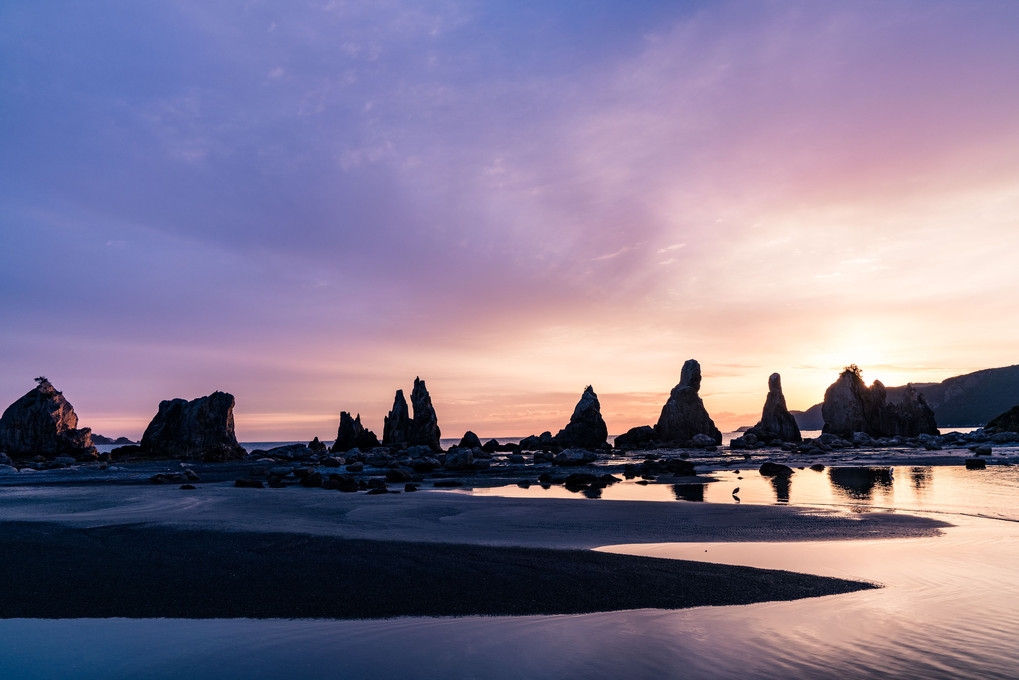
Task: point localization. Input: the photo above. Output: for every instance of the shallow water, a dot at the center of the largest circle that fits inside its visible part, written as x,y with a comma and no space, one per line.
948,489
949,608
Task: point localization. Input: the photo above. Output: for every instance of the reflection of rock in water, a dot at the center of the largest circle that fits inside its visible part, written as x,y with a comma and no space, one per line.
689,492
781,484
922,477
859,482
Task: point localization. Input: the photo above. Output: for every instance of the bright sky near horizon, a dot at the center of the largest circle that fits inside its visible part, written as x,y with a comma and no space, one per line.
307,204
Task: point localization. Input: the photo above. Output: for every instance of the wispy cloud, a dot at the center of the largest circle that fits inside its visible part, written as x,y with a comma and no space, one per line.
346,178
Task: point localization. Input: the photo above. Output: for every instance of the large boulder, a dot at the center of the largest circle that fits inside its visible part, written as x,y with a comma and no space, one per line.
851,407
200,428
776,421
424,428
43,423
635,437
586,428
396,427
351,434
459,459
684,416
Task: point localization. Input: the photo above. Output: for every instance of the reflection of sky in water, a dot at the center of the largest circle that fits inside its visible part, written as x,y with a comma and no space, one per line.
949,608
940,489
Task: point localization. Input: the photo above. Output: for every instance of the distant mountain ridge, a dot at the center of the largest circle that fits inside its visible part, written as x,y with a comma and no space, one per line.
968,400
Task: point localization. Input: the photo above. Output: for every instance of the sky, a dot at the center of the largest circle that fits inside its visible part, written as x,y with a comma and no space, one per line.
308,204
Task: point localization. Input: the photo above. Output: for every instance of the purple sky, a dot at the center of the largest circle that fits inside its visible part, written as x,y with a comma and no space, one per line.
309,204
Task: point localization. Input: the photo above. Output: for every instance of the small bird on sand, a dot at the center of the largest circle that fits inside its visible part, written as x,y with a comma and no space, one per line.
735,491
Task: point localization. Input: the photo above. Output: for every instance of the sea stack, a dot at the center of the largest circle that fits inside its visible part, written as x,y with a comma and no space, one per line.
351,435
684,416
776,421
200,428
586,428
396,427
43,423
850,406
424,428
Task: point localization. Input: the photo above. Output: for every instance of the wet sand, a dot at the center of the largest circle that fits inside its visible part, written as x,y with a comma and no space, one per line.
219,551
446,517
55,571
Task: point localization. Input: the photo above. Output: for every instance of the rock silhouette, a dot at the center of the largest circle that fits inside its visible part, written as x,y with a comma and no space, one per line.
424,428
586,428
776,421
635,437
200,428
396,427
850,406
469,441
684,416
352,435
913,416
43,423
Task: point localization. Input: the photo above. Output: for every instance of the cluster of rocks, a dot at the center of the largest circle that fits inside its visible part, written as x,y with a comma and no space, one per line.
684,417
654,466
400,429
850,406
586,429
683,423
42,427
351,434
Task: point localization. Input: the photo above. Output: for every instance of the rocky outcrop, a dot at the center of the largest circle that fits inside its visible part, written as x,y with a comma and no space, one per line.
912,415
396,427
850,407
586,428
684,416
424,428
200,428
470,441
776,422
635,437
352,435
536,442
43,423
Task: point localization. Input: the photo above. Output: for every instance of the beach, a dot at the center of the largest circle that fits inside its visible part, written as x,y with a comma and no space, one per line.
716,573
219,551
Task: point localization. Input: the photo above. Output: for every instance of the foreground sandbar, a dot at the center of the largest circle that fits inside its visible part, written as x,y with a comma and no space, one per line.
57,571
223,552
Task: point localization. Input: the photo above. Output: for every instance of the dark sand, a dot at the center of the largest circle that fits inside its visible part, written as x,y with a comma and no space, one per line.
57,571
222,552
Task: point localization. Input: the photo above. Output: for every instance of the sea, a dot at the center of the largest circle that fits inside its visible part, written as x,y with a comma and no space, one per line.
948,608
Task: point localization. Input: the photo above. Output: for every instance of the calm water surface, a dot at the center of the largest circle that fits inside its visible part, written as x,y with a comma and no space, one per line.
949,609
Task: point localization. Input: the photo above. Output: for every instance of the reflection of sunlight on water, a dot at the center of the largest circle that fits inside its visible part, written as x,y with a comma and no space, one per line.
949,606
